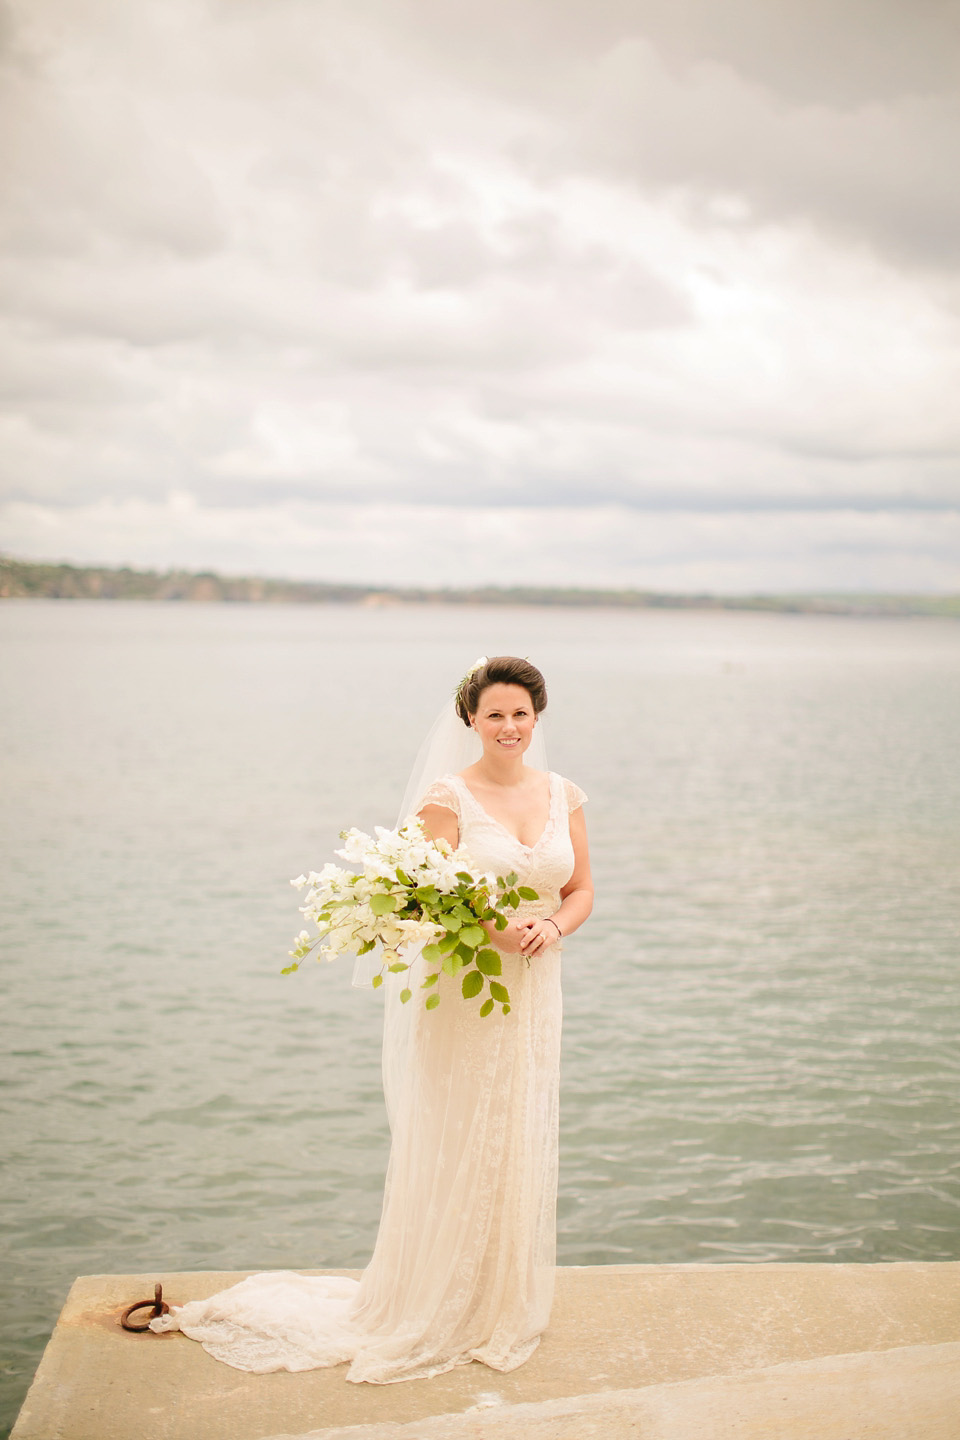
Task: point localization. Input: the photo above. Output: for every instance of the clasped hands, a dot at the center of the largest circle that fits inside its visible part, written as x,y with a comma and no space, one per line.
527,936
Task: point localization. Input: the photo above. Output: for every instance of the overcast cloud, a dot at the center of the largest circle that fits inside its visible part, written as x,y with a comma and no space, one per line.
526,291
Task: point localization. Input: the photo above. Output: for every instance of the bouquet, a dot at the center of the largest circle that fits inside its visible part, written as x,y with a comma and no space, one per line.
413,892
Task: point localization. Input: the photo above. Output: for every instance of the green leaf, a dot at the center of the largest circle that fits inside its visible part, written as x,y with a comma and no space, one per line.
377,981
472,984
450,964
499,992
501,921
405,996
488,962
427,894
404,879
398,967
432,954
512,878
382,904
465,953
432,1002
486,1007
366,947
526,893
513,899
465,876
506,1009
452,923
448,943
472,935
430,980
289,969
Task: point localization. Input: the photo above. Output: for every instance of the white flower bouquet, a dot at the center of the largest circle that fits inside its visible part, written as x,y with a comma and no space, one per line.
413,892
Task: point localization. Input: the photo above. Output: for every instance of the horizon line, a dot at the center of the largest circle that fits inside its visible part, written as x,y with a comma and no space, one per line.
56,579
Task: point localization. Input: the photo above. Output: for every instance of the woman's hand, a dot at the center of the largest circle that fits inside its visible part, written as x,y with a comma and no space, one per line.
528,936
537,935
507,940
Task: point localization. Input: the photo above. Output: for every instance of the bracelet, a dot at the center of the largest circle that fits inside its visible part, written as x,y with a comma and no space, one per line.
554,924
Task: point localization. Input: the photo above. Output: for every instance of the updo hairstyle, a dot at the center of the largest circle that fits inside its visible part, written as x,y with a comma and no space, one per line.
500,670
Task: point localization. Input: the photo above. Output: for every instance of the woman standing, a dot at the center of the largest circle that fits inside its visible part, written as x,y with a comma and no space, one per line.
463,1266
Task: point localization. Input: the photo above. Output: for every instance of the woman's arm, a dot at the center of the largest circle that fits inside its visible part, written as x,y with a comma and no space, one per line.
576,898
440,823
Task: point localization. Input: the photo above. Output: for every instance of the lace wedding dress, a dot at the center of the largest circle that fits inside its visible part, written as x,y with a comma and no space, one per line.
463,1267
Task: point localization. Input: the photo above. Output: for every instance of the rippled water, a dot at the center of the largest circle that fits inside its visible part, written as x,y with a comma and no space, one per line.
761,1057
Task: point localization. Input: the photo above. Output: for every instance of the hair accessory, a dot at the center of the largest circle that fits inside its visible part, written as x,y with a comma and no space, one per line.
477,665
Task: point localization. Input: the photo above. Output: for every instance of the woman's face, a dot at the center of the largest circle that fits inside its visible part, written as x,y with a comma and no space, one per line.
504,719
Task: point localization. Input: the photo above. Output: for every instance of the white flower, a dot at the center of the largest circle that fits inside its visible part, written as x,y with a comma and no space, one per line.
379,867
416,933
332,875
337,940
357,843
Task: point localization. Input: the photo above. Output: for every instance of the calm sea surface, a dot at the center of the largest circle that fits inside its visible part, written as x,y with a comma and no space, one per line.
761,1034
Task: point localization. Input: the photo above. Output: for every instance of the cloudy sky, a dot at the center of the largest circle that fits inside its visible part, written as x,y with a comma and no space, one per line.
631,292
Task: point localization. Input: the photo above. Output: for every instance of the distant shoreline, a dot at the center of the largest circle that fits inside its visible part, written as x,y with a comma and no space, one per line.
23,579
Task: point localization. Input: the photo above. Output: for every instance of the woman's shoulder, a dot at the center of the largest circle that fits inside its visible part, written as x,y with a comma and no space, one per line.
442,792
575,797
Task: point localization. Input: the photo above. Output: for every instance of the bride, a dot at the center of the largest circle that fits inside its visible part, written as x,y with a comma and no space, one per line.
463,1266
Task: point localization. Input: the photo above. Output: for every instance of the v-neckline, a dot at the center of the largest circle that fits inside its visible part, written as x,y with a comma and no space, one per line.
499,823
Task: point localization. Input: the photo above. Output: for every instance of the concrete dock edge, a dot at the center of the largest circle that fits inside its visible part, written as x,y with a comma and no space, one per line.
656,1352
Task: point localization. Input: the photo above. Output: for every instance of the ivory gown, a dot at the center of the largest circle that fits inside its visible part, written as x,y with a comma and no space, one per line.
463,1267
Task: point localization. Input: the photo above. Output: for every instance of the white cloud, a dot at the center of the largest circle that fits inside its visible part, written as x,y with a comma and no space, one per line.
581,268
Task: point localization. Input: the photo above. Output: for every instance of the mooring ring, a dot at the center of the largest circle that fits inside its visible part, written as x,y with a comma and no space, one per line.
157,1305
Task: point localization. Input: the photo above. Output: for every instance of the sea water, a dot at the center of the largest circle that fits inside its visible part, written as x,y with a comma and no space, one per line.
761,1056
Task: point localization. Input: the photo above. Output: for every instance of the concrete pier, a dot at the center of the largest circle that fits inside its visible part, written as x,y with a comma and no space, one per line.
650,1352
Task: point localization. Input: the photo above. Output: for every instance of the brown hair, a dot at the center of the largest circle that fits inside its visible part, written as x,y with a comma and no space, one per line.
500,670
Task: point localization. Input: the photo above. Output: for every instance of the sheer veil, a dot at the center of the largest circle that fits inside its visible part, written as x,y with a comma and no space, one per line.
449,747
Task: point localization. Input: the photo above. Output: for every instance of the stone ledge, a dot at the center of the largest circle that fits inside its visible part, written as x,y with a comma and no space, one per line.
662,1352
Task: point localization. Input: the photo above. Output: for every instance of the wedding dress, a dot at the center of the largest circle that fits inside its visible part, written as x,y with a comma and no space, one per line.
463,1267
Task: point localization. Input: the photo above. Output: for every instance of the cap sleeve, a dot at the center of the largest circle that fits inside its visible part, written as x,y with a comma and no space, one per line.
575,796
441,792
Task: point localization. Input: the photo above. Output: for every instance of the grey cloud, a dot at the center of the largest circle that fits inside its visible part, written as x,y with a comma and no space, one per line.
64,380
461,488
846,114
877,174
807,51
498,323
604,546
84,169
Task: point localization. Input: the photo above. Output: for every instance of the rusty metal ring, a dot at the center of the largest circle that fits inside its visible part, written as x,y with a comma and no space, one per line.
157,1305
